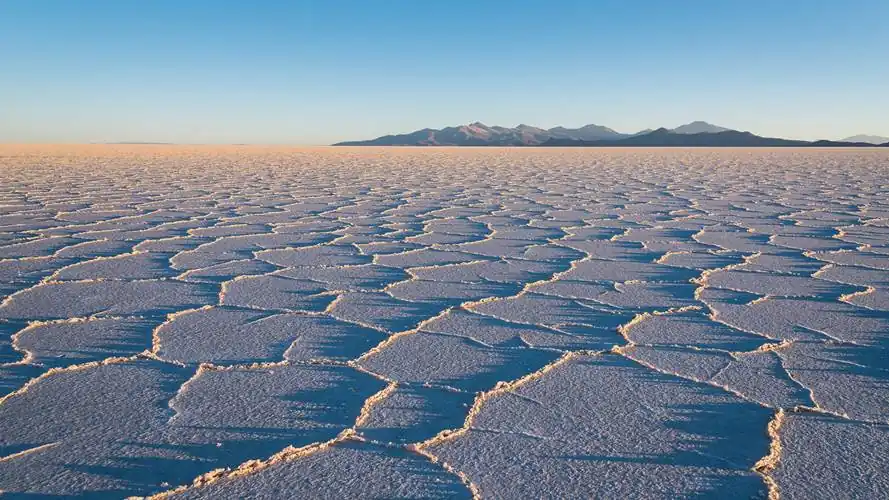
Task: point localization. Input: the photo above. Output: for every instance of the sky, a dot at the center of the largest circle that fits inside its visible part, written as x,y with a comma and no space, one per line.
315,72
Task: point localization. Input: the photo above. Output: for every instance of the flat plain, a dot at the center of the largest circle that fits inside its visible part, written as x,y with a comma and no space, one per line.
252,322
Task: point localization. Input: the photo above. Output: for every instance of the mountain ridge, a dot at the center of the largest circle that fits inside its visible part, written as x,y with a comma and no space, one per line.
696,133
479,134
872,139
728,138
699,127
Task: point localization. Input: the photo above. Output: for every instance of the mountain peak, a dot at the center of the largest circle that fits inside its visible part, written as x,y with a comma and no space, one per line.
699,127
590,132
871,139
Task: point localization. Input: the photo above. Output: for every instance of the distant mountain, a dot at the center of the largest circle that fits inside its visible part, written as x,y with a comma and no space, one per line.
699,128
474,134
479,134
872,139
696,133
726,138
586,133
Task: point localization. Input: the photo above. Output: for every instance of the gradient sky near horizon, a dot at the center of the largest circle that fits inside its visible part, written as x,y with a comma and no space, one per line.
315,72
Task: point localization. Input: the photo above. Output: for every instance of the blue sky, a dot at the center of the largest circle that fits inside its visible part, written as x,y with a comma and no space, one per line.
314,72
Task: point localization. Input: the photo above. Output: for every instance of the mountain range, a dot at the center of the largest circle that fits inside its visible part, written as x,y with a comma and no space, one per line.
696,133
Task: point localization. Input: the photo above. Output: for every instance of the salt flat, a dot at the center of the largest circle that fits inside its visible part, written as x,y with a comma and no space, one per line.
221,322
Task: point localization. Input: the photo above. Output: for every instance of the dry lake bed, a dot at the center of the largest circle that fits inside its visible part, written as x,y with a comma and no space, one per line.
239,322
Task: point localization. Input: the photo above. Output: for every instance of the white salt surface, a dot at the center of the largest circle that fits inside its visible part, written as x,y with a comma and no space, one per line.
443,323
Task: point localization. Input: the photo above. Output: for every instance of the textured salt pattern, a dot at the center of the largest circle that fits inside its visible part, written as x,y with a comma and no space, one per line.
444,323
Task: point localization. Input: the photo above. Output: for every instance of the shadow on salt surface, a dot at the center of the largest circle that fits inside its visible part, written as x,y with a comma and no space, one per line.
146,265
169,434
427,257
560,429
782,261
457,362
710,439
849,457
539,309
700,260
759,376
228,271
499,333
7,330
330,255
13,377
56,345
644,235
611,250
345,470
20,274
808,318
87,298
413,413
558,254
785,285
692,328
627,270
450,293
847,379
362,277
502,271
42,247
382,310
227,335
277,292
328,338
639,296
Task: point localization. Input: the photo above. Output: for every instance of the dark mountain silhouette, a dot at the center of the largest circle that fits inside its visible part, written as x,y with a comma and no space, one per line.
693,134
479,134
586,133
727,138
665,137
